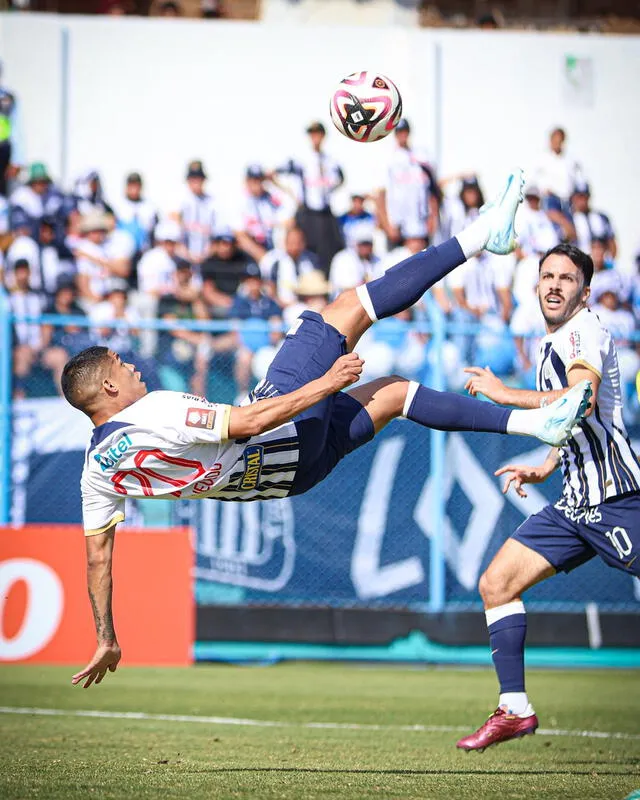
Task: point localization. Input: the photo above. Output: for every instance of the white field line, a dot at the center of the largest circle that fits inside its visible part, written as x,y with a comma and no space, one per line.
264,723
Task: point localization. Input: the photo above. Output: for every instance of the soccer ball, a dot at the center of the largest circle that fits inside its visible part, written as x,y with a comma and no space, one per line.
366,106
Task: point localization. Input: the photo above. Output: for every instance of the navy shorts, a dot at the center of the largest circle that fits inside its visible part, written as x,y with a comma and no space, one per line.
567,537
335,426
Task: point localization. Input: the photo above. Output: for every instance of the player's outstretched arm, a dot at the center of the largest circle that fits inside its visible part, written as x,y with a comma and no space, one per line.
100,585
267,414
483,381
519,474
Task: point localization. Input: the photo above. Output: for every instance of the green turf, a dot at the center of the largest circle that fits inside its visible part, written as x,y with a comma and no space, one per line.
74,757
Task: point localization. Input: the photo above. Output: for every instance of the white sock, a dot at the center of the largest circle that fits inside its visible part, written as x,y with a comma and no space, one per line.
516,702
474,237
525,422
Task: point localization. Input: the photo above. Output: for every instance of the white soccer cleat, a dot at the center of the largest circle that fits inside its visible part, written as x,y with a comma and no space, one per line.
558,419
501,215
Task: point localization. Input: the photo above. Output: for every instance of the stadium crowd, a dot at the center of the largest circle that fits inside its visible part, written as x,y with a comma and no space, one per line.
73,252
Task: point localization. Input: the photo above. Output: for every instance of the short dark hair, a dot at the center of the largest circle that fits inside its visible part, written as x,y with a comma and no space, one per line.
583,261
80,372
560,131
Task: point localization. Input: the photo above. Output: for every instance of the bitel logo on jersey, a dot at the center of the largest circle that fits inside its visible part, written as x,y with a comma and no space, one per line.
113,454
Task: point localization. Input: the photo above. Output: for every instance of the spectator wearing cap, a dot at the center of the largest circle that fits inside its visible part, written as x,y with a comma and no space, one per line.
95,261
312,292
222,273
27,336
137,216
88,194
36,199
352,221
261,317
316,176
590,224
557,172
357,263
11,139
408,203
261,213
605,275
282,268
198,215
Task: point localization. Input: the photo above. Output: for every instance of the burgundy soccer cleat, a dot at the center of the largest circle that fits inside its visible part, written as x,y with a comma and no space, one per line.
500,727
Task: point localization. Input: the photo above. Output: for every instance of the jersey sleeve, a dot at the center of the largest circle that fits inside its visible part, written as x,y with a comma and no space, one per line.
193,418
584,343
99,511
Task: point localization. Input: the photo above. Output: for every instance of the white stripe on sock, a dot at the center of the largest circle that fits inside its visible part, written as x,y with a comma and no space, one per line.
507,610
365,300
412,388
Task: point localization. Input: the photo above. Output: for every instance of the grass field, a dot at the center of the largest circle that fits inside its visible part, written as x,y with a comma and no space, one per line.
70,756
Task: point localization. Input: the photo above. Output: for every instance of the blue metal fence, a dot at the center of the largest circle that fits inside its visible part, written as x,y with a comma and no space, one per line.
410,520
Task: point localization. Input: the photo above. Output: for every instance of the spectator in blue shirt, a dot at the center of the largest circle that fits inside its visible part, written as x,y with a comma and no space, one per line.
261,317
353,219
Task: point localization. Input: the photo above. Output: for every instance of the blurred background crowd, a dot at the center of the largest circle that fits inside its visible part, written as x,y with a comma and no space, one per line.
250,267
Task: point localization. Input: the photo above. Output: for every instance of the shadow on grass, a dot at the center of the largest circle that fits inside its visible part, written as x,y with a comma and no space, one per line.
416,772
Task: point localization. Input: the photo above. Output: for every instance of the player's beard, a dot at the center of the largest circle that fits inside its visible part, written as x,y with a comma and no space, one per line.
568,308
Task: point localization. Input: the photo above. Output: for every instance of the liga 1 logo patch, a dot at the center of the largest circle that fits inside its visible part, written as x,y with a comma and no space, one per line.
200,418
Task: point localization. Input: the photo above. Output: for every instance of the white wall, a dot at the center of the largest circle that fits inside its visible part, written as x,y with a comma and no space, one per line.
152,94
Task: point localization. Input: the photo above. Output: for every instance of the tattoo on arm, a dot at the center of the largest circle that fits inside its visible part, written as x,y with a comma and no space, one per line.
103,621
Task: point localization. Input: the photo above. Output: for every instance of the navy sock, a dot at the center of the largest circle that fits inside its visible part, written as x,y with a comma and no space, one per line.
446,411
506,637
403,285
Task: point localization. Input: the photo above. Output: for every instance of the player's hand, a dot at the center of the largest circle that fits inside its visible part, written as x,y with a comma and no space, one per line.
105,658
519,475
483,381
346,371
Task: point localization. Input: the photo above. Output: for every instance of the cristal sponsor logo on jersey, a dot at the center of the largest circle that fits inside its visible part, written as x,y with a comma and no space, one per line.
200,418
574,341
113,454
253,456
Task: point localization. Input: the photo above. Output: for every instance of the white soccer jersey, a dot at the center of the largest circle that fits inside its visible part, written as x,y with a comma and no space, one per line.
174,446
597,461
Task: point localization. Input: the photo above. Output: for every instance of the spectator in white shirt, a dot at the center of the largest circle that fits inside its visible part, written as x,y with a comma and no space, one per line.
316,176
557,172
282,269
89,195
260,214
198,215
157,267
138,217
27,336
97,258
590,224
621,325
115,306
408,204
357,263
605,276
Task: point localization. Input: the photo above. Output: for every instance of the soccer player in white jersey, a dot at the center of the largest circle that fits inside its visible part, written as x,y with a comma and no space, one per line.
599,511
296,424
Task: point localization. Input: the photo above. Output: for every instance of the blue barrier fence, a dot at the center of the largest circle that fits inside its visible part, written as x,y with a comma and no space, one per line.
410,520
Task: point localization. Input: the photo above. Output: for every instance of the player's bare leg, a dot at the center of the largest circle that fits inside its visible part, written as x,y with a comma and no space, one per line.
403,285
513,570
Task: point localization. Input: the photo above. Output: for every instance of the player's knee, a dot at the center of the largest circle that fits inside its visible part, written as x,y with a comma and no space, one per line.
493,588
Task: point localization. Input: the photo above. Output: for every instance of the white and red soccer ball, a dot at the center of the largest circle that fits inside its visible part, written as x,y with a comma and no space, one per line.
366,106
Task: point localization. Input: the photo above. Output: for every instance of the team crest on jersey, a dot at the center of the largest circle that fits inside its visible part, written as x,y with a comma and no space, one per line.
253,457
200,418
114,454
